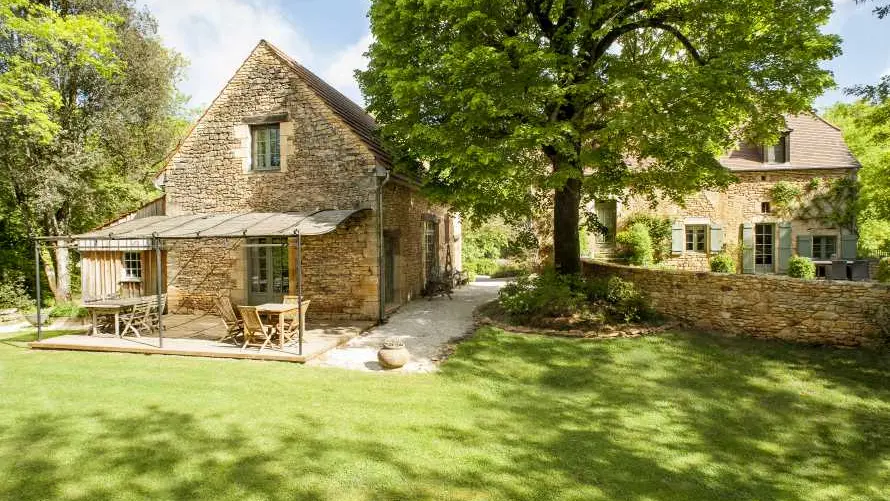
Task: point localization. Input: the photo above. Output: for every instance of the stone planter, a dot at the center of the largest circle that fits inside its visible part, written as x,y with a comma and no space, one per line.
393,354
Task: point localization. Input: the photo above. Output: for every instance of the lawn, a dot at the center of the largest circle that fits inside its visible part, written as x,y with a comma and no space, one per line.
677,417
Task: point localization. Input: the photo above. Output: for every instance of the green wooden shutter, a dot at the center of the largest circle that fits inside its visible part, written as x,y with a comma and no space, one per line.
805,246
716,238
678,238
748,248
849,242
784,246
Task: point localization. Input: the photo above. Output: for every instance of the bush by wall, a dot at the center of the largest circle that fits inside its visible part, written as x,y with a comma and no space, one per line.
635,244
883,274
659,228
723,263
801,267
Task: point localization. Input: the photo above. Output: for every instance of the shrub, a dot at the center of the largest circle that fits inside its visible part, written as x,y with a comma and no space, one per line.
69,309
13,293
547,294
883,274
504,271
659,228
723,263
636,244
801,267
480,266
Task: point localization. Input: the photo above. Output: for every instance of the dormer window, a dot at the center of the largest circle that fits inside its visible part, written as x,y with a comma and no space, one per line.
778,153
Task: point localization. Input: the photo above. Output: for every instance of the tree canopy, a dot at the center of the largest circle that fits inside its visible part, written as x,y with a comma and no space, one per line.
503,101
89,106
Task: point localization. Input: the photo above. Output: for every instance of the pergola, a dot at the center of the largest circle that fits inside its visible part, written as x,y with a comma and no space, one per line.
149,233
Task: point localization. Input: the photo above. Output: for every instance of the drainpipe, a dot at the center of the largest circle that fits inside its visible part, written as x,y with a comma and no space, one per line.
382,176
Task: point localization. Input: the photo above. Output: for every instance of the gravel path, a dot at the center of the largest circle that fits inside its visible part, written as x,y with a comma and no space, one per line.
425,326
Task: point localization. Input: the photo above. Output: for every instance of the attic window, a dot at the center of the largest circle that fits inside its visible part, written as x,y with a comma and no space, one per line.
265,147
777,153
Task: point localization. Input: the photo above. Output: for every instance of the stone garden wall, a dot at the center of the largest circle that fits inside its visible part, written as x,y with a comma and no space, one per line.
768,306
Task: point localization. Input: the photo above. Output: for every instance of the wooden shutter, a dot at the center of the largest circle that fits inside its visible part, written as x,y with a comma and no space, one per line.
716,238
678,238
805,246
748,248
784,246
849,242
787,147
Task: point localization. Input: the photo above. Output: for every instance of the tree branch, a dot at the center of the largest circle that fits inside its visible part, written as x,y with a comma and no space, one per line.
673,30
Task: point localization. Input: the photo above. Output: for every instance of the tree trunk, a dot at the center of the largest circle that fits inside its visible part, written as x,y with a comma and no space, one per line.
63,275
566,222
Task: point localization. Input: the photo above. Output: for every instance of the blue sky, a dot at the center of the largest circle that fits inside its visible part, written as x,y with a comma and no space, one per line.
329,37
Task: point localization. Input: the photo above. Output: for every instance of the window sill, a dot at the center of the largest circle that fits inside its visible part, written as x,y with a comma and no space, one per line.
264,171
130,280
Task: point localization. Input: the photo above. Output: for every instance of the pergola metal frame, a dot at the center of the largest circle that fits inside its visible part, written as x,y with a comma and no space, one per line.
156,239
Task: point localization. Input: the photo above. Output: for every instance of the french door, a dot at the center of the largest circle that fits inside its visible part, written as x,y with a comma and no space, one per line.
764,248
267,270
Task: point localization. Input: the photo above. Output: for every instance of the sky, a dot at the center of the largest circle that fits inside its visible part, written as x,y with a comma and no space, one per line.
330,36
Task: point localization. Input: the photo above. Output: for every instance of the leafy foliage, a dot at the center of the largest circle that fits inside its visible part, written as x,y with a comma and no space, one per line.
635,244
659,228
866,128
801,267
723,263
883,274
93,111
13,293
502,102
783,195
555,295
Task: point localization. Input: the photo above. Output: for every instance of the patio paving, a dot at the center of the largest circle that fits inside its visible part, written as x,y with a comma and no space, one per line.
196,335
425,326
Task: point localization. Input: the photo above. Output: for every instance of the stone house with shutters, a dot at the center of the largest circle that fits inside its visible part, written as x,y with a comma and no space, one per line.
744,219
281,180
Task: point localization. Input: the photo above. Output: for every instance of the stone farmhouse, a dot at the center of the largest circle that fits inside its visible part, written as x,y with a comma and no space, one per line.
809,165
282,183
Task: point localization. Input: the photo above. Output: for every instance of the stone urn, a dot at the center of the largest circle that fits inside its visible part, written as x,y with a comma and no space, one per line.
393,354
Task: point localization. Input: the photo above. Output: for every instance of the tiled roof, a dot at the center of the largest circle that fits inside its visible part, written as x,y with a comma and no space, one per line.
815,144
351,113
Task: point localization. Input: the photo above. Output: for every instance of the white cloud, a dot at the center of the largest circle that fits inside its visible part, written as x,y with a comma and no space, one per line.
340,72
217,35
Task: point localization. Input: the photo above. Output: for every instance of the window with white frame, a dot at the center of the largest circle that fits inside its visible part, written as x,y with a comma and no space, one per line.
265,147
696,237
132,265
777,153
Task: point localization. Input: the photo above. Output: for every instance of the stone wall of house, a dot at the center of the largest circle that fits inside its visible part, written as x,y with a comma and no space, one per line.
404,213
739,203
769,306
324,164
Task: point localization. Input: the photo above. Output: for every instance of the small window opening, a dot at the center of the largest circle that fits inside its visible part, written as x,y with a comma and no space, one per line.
765,207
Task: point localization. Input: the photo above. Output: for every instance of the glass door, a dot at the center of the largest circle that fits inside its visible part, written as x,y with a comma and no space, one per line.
267,270
764,248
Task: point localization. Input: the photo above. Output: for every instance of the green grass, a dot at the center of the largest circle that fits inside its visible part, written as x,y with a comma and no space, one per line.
679,417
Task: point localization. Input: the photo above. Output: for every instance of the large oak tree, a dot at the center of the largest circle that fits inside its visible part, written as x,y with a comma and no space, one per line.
502,100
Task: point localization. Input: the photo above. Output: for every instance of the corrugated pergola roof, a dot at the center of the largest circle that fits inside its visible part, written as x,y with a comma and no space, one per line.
252,224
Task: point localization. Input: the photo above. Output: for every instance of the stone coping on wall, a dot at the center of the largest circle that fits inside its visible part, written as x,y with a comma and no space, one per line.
771,306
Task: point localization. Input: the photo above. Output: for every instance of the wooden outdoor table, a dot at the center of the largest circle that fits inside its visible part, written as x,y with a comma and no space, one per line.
278,309
111,307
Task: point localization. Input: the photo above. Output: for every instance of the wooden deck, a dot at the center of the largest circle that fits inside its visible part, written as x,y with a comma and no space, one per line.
196,335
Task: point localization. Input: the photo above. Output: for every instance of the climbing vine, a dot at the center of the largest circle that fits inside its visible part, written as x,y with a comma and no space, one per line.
785,196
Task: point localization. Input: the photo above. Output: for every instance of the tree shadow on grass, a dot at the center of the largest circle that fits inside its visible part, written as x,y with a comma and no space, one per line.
686,416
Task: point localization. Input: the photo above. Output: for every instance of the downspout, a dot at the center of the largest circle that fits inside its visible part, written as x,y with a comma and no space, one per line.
382,176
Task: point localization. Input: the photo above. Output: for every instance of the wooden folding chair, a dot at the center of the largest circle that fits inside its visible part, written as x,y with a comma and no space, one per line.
255,328
234,326
134,319
293,320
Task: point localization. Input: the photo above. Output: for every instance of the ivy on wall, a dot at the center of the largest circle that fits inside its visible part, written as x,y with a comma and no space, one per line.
831,202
